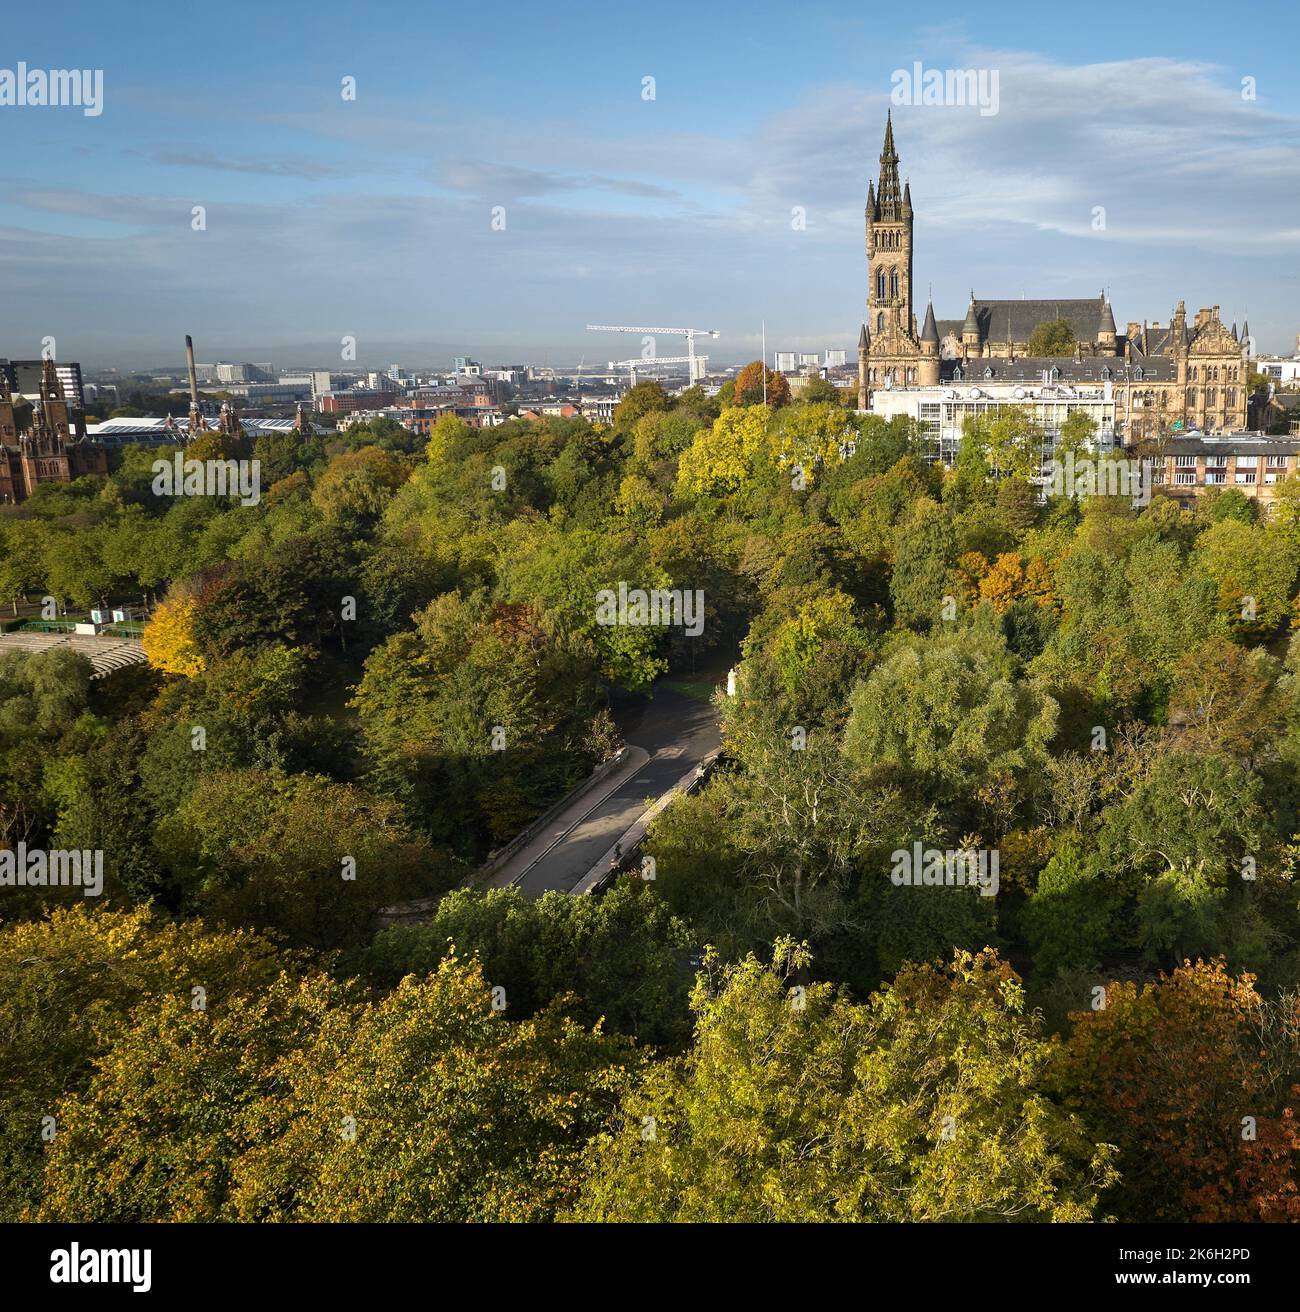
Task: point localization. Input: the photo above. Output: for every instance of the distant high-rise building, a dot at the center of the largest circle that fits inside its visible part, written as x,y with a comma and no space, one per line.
24,378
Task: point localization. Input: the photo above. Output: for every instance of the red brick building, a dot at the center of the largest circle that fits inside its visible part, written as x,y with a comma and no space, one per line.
51,452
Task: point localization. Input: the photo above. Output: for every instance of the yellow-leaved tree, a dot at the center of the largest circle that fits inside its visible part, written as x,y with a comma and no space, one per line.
169,641
720,457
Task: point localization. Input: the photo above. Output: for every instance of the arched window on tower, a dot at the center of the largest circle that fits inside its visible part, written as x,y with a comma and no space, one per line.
880,319
893,285
880,285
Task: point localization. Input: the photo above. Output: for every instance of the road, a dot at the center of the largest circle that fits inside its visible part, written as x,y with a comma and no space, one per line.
670,735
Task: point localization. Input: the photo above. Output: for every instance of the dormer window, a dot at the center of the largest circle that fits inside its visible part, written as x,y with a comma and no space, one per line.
1108,374
957,373
988,371
1139,373
1053,373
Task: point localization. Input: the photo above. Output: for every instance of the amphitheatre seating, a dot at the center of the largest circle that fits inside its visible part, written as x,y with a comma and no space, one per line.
105,653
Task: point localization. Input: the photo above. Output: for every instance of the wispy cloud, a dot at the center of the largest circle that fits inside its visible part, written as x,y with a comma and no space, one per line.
1198,186
265,166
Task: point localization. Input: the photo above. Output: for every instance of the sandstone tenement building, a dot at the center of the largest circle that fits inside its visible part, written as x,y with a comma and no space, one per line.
1165,378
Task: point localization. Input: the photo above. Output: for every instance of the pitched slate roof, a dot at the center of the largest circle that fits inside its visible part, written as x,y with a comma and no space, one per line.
1020,318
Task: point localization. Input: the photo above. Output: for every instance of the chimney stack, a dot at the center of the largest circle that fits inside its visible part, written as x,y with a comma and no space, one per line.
194,378
196,415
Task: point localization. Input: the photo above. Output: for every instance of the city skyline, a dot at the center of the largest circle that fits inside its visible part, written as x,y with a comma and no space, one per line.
731,199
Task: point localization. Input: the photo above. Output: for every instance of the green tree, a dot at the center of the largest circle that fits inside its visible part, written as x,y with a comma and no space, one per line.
68,985
923,1105
622,954
1051,337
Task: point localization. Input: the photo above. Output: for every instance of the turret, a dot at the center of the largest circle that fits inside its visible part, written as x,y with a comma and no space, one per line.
1106,328
1180,341
927,372
970,330
51,422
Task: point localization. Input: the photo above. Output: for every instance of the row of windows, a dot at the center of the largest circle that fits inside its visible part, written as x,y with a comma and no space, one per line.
881,284
1213,373
1217,477
890,239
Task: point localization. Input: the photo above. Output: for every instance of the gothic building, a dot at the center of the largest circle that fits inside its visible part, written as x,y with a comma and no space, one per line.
50,452
1164,378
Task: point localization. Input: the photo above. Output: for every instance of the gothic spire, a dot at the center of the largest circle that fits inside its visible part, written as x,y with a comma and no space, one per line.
889,200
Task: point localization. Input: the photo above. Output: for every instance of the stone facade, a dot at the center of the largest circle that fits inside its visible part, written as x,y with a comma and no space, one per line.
50,452
1187,467
1166,378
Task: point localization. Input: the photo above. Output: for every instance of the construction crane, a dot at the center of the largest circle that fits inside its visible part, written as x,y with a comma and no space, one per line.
647,363
695,363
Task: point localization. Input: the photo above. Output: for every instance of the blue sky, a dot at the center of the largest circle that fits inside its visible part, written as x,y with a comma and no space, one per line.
372,218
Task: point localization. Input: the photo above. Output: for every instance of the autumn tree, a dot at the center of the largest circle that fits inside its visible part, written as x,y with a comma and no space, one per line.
749,386
68,986
1195,1079
438,1108
169,640
797,1104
